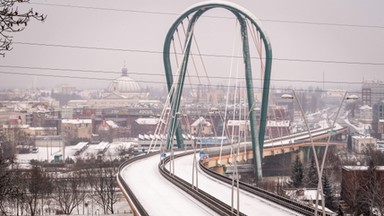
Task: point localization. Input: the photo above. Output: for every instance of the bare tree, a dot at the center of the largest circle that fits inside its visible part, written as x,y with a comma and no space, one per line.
12,20
363,190
111,189
372,195
39,186
70,192
103,183
5,186
124,151
19,191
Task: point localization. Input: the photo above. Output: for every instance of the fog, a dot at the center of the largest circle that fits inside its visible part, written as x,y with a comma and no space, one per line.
332,44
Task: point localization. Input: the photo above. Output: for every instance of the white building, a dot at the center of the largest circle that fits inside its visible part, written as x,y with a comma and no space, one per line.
121,92
365,114
363,143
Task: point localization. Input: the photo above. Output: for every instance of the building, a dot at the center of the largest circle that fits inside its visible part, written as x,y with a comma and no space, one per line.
354,184
73,129
377,117
372,92
201,127
107,130
121,92
363,143
380,128
365,114
144,126
241,126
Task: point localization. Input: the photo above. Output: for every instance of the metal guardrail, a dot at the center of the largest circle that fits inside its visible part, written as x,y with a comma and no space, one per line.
136,206
210,201
280,200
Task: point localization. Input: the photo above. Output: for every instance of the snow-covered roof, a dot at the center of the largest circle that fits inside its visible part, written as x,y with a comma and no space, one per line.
102,146
79,146
237,122
22,126
111,123
199,121
281,123
42,128
362,137
302,194
76,121
350,168
147,121
365,107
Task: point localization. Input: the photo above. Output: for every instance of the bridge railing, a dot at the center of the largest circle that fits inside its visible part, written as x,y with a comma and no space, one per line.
210,201
280,200
136,206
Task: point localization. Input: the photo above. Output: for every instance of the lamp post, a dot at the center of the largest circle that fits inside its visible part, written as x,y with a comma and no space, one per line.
294,97
345,97
320,169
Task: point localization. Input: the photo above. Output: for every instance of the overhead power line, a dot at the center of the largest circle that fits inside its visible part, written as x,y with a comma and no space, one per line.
205,55
222,17
163,82
138,73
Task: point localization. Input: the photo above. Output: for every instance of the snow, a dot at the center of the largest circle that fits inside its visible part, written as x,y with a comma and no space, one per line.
147,121
157,195
286,140
48,153
79,146
43,154
76,121
249,203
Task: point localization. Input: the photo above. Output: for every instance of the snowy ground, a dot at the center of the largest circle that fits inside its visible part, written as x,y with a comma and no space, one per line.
48,153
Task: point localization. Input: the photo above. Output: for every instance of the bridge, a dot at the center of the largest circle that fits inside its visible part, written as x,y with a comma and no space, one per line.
156,185
169,182
282,145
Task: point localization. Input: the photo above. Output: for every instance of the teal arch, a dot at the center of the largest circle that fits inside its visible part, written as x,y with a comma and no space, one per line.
242,16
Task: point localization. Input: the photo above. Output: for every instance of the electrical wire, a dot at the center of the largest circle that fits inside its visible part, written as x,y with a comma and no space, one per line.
150,74
217,17
205,55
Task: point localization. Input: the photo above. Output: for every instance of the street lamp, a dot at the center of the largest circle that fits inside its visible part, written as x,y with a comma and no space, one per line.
345,97
294,96
320,169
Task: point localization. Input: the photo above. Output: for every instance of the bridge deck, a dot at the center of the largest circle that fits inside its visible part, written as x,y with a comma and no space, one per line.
249,203
157,195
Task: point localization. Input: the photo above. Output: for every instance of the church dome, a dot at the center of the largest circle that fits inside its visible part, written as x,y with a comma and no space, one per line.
124,84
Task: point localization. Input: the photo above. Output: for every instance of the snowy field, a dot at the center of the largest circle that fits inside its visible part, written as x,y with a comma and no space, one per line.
110,151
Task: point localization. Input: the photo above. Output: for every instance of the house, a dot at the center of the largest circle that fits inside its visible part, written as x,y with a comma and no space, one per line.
201,127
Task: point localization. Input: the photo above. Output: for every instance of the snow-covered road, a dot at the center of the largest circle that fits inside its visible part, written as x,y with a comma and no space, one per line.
156,194
160,197
249,203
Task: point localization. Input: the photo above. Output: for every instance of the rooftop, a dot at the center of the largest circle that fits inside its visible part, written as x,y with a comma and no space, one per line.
76,121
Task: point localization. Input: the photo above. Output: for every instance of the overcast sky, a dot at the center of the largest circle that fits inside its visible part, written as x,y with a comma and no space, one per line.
132,32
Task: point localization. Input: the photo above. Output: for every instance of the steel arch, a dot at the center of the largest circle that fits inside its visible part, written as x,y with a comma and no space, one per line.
242,16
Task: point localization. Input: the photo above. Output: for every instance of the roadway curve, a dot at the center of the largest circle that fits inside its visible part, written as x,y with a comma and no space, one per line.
157,195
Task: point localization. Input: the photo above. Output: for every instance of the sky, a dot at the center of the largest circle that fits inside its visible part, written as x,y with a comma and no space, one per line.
331,44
